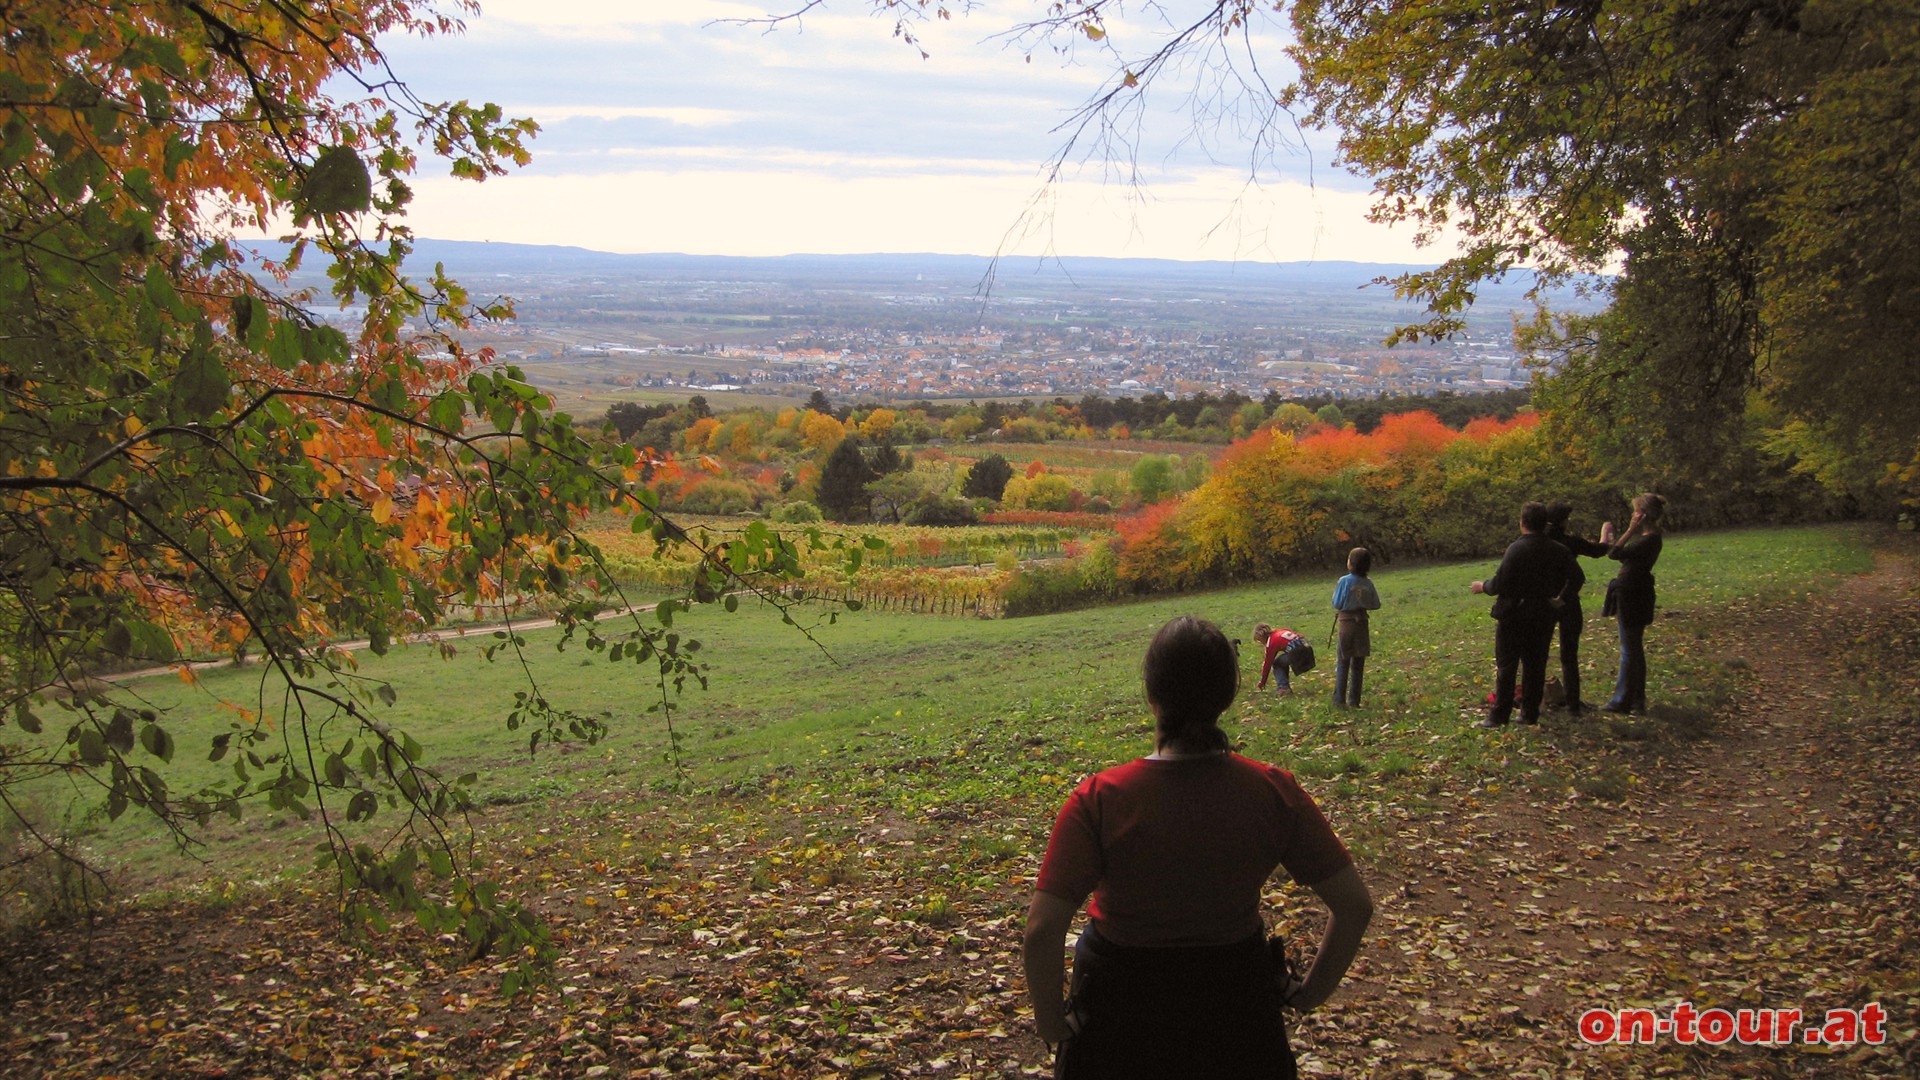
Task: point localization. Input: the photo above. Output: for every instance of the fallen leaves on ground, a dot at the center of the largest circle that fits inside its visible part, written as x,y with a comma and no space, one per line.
1768,859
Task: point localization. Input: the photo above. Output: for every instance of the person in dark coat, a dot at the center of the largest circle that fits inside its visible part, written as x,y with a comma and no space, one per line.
1529,589
1572,619
1637,550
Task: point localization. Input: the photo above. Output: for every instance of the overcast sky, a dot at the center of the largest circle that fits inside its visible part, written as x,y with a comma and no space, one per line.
666,128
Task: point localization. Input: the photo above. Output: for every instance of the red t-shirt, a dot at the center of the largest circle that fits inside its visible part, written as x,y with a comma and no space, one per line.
1177,852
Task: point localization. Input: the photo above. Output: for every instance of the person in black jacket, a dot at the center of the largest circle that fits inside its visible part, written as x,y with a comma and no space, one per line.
1637,549
1530,589
1571,617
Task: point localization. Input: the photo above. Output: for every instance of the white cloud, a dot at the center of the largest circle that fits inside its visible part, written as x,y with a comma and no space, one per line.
682,115
801,208
666,130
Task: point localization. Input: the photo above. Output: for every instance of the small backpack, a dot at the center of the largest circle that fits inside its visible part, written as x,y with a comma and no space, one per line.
1300,657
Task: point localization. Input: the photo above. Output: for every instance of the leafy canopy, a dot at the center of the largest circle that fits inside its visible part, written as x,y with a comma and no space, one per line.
1747,165
196,461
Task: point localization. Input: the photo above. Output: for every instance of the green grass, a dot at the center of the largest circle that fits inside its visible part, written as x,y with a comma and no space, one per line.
916,713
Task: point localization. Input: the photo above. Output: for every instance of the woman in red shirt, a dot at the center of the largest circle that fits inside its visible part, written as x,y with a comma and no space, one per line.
1172,976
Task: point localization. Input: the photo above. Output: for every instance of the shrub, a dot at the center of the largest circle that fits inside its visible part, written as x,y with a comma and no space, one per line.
1099,571
716,497
940,510
1041,590
46,875
798,512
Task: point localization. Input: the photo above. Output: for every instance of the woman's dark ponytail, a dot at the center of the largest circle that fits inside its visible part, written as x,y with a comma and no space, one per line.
1192,674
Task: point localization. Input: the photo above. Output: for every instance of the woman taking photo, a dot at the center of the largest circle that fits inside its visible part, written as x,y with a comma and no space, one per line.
1172,975
1630,597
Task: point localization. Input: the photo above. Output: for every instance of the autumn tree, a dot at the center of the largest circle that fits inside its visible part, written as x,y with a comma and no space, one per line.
196,461
1292,418
877,426
1746,165
1152,477
819,431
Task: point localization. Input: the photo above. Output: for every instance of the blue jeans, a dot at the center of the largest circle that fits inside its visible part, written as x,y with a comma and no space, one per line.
1282,673
1630,690
1354,668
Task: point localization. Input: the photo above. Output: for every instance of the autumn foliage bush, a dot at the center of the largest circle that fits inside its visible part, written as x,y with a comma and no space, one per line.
1413,487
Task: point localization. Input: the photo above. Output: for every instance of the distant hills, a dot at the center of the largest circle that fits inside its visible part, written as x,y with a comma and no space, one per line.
484,257
465,258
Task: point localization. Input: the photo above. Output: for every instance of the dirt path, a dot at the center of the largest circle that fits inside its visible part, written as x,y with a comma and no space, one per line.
1773,863
451,633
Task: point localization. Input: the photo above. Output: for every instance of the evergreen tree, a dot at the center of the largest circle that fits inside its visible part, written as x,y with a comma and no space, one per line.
627,417
987,478
887,458
842,491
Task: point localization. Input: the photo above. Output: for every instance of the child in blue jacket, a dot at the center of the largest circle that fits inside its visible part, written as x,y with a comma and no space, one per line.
1353,597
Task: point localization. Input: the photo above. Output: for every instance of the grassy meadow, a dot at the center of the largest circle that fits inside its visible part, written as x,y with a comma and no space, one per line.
916,715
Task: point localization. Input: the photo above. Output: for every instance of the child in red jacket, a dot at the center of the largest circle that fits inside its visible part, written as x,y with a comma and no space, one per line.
1283,646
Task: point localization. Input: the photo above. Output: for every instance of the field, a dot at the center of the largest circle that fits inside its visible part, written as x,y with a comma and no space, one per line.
1012,708
956,570
829,880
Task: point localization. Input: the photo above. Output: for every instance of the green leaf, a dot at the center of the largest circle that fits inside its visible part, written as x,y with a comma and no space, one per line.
287,345
159,287
119,733
157,742
92,749
259,322
150,640
16,141
448,411
201,386
337,183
